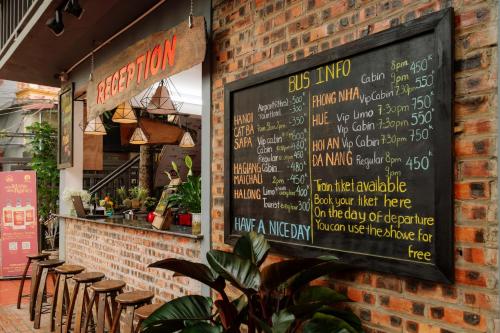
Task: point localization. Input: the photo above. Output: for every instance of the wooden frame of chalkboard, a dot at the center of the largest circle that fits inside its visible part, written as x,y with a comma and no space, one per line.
440,26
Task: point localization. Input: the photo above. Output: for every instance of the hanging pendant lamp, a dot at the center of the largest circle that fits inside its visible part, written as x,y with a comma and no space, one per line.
95,127
138,137
124,114
187,141
162,99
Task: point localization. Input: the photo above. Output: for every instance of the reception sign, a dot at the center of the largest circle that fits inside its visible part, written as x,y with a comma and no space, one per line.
162,54
18,221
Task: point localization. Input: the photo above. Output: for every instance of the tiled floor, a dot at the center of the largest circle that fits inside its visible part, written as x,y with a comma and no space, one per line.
13,320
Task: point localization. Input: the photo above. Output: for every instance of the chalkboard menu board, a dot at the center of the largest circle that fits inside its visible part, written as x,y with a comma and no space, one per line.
349,152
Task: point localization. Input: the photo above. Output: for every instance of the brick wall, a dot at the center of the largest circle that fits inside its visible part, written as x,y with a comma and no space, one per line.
124,253
254,36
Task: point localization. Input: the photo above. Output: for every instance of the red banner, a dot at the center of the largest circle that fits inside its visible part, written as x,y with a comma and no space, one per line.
18,221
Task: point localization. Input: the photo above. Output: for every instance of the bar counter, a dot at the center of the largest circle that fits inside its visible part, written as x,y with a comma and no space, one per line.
122,249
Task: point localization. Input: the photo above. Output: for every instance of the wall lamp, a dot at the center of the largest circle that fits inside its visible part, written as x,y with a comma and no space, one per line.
56,24
73,7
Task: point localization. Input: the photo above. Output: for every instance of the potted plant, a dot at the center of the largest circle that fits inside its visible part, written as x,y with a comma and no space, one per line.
188,197
279,298
137,196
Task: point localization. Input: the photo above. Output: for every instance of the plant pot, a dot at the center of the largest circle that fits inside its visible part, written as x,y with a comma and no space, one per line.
53,254
196,223
136,203
185,219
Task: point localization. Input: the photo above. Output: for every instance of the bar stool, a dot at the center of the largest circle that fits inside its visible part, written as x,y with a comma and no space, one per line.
61,295
31,258
129,302
80,299
144,312
41,286
101,291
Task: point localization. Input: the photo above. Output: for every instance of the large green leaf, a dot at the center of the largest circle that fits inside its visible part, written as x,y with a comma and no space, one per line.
320,294
252,246
178,310
193,270
278,273
316,271
313,298
241,272
282,321
202,327
323,323
346,315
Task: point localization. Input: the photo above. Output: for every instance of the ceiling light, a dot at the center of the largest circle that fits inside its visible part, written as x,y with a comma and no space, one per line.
55,23
124,114
163,99
138,137
187,141
73,7
95,127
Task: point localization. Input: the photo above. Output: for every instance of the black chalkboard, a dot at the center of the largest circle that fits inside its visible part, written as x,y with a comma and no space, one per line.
350,152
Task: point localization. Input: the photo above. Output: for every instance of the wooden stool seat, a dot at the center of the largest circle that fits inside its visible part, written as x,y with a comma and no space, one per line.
108,286
69,269
135,297
80,302
39,256
146,310
103,298
51,263
88,277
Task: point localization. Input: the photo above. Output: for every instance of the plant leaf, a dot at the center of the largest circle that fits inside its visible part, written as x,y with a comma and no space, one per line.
241,272
321,294
282,321
316,271
278,273
202,327
323,323
227,312
193,307
252,246
193,270
346,315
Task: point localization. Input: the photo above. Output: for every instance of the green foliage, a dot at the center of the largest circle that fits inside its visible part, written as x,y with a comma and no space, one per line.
43,147
188,195
276,299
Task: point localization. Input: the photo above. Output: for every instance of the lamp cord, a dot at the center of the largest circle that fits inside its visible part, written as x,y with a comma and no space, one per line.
190,18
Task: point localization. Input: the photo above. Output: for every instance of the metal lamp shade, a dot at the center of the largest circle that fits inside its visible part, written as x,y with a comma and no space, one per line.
187,141
124,114
138,137
161,102
95,127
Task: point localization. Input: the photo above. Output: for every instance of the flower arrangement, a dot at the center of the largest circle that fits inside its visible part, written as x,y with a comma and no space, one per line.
108,205
85,195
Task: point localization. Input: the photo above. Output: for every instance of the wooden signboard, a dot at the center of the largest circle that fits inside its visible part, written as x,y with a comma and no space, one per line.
350,152
162,54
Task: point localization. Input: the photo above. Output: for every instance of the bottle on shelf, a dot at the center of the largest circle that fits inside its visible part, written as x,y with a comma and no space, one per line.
8,215
30,213
19,216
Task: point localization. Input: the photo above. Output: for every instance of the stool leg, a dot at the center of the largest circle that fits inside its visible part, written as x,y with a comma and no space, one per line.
54,303
74,297
39,298
89,310
129,319
101,313
59,303
138,327
116,319
21,285
35,281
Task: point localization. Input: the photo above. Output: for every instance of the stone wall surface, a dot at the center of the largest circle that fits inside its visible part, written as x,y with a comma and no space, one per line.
124,254
252,36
